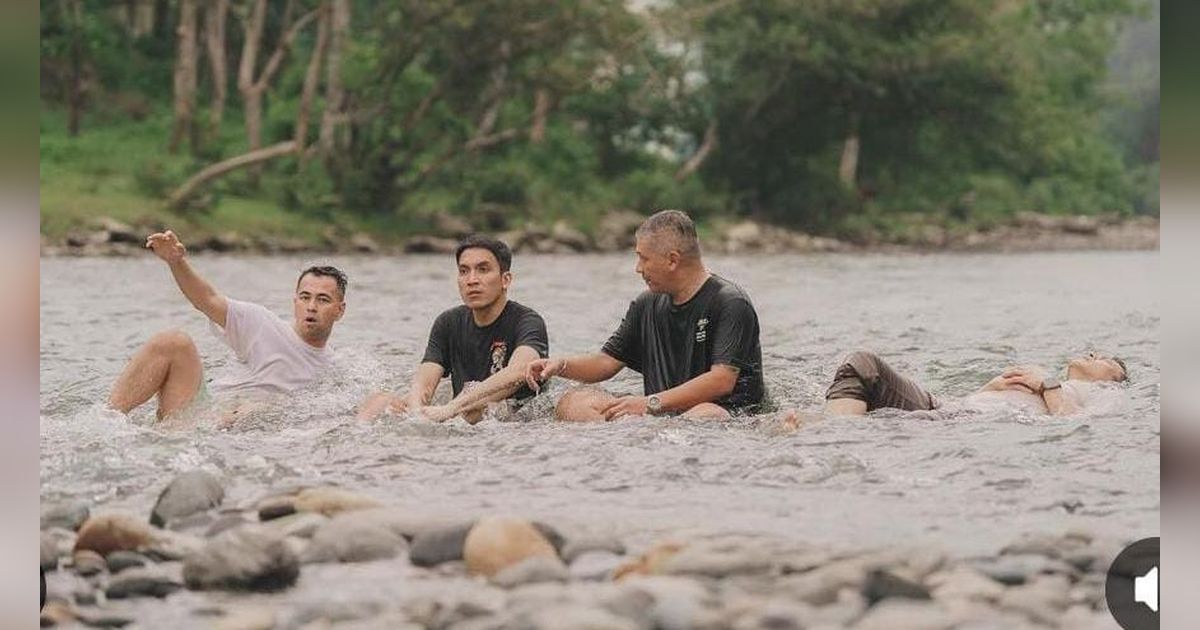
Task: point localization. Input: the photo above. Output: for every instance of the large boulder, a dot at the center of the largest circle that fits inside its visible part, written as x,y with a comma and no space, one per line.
497,542
616,230
360,536
251,557
107,533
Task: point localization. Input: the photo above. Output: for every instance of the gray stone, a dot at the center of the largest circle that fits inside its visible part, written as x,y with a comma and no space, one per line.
48,550
1016,569
188,493
451,225
354,537
820,586
302,525
430,245
566,235
67,516
580,545
964,583
531,571
1043,599
434,547
577,617
141,583
881,584
88,563
120,560
247,558
775,614
718,560
679,603
225,522
595,565
904,614
615,231
103,618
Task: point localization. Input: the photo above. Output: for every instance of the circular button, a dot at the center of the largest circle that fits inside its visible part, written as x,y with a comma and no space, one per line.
1131,588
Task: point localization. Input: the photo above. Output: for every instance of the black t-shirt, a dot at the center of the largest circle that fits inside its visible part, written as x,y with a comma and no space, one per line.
468,352
672,344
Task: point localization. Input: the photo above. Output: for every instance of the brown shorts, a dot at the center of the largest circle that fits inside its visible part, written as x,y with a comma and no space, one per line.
866,377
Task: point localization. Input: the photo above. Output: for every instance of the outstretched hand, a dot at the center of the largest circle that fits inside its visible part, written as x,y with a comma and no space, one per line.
540,370
166,246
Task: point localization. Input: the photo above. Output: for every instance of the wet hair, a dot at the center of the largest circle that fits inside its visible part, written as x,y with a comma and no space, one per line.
678,227
479,241
327,271
1124,370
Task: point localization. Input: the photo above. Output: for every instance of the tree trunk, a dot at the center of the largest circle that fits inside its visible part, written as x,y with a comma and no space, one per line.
696,161
214,31
541,109
188,188
312,77
185,76
848,168
335,94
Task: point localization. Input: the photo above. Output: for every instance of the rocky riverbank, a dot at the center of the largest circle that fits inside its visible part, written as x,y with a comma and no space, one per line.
212,564
1026,232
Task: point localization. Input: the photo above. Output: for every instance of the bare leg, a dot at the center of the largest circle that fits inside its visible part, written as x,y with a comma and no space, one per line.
845,407
167,365
583,404
707,411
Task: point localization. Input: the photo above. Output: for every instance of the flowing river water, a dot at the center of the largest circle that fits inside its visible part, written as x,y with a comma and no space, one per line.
967,483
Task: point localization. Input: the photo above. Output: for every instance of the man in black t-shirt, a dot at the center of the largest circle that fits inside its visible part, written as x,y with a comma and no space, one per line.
693,336
483,345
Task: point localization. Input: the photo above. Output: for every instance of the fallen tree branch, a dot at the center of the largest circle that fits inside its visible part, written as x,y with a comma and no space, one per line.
189,188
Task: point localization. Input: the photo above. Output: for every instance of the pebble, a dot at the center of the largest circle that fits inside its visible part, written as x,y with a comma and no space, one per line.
576,547
882,584
114,532
188,493
496,542
302,525
120,560
717,560
575,616
326,500
354,537
594,565
67,516
141,583
88,563
650,562
531,571
964,583
432,548
247,558
225,522
1015,569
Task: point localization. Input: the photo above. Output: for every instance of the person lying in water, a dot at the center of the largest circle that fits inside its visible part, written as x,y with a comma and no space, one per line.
865,382
274,356
693,336
483,344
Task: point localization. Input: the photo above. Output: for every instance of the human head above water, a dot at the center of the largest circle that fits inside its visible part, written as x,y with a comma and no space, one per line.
484,270
666,245
1097,367
320,301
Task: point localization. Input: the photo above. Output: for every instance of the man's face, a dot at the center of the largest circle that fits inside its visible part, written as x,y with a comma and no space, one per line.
317,306
480,281
1094,367
655,264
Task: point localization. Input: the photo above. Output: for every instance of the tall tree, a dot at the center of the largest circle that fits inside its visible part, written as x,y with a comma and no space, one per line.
186,58
215,17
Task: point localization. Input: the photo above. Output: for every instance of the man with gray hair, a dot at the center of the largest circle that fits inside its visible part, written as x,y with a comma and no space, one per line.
693,336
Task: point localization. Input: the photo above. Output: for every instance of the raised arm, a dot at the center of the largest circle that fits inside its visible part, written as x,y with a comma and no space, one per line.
496,387
196,289
585,368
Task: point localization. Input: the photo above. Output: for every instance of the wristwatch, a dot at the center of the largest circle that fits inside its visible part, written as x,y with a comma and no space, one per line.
1049,384
654,404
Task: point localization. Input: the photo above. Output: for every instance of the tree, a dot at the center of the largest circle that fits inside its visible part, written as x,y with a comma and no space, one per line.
185,76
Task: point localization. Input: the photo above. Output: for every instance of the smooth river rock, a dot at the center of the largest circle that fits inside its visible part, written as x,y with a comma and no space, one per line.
247,558
497,542
188,493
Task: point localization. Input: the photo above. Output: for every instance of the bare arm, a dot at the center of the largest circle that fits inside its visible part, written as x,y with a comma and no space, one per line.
496,387
585,368
1060,403
424,384
714,384
196,289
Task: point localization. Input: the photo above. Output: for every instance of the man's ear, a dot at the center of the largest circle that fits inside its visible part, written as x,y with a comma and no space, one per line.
673,258
506,279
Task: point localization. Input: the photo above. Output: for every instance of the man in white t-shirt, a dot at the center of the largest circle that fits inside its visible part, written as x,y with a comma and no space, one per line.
274,356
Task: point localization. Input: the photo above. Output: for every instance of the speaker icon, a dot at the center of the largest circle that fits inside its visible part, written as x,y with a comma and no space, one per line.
1131,586
1145,589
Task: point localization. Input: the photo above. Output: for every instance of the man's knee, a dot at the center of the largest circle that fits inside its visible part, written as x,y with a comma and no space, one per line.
583,404
707,411
171,342
864,362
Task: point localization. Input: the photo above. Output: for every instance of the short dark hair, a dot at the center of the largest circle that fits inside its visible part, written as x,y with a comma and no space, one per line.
480,241
330,272
1124,370
677,226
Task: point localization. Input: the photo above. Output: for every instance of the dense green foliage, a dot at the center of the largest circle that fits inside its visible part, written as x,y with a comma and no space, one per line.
961,110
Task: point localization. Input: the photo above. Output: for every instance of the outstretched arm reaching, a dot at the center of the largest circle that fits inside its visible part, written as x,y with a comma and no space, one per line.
587,368
497,387
196,289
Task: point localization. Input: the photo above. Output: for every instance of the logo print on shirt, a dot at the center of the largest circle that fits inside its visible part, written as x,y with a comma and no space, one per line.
499,354
702,330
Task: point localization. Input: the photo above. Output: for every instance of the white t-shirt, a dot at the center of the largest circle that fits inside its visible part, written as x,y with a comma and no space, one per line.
272,357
